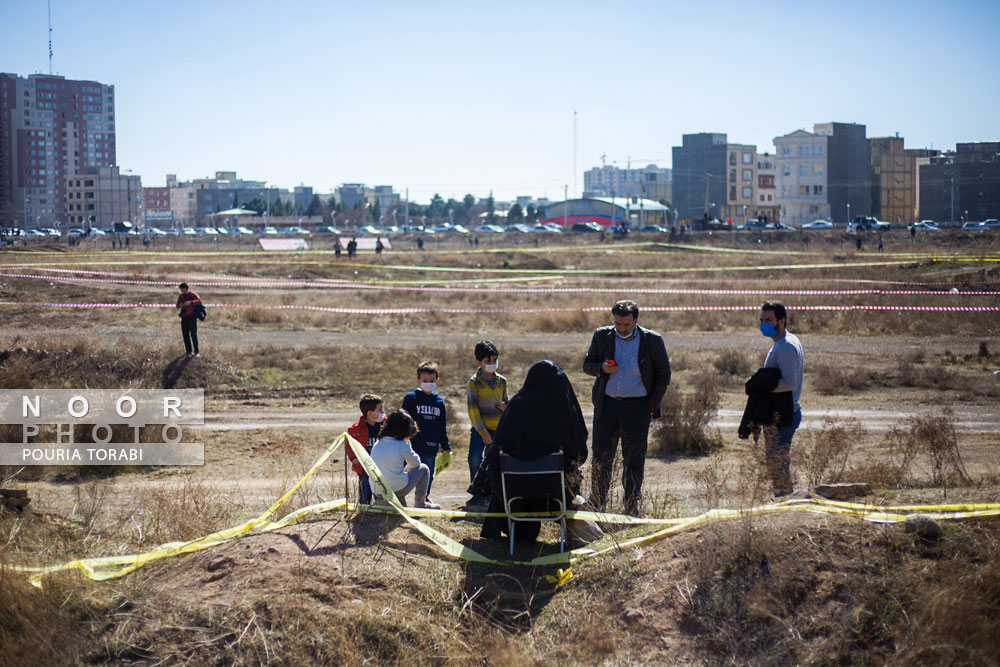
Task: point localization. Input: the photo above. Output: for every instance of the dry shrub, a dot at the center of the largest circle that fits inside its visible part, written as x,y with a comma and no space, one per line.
184,512
825,458
48,626
734,362
840,380
931,443
795,594
683,429
260,315
711,481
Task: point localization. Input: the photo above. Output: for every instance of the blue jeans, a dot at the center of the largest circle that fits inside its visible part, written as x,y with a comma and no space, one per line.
364,490
476,448
777,454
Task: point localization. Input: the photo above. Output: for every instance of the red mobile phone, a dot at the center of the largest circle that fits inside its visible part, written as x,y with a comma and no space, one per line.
609,362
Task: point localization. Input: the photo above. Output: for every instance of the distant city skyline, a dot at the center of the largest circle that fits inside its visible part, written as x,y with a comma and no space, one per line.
457,99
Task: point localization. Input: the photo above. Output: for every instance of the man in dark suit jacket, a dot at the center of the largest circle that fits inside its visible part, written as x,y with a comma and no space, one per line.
633,371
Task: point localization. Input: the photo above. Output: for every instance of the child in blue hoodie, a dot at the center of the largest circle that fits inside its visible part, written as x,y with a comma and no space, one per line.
428,409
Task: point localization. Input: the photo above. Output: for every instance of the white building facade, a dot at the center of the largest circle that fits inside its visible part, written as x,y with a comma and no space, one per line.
801,177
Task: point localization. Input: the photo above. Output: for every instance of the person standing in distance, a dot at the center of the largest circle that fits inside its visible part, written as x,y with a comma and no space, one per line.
785,355
186,302
633,371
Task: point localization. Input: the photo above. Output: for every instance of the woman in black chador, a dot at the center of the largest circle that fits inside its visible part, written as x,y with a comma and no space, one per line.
543,418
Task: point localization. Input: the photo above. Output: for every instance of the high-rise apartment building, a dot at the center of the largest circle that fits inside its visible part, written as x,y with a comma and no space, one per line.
51,128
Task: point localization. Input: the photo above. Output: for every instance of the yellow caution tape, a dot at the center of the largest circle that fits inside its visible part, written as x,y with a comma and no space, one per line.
115,566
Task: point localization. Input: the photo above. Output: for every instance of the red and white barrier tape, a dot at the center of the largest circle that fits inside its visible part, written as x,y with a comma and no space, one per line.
509,290
296,282
398,311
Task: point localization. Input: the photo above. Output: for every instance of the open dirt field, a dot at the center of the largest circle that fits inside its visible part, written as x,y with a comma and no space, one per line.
902,397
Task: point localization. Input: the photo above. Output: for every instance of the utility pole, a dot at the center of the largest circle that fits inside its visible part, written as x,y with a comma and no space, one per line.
574,154
565,204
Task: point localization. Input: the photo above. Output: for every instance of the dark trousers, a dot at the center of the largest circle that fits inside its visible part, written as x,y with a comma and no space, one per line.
628,418
189,328
430,461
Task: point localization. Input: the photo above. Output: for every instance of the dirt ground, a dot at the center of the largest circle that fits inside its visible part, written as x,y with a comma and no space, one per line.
279,388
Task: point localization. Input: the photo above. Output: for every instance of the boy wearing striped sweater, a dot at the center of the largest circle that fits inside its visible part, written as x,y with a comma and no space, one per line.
486,397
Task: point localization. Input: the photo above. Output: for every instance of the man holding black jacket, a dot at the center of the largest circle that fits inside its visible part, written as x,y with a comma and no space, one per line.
786,356
633,371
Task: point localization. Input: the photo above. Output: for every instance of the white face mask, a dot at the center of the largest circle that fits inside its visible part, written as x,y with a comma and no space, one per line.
428,387
491,368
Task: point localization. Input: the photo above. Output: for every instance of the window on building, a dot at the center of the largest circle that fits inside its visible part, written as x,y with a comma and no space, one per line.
769,198
748,158
803,169
762,197
787,150
818,169
818,149
747,174
817,189
732,158
732,175
732,192
803,189
747,192
803,151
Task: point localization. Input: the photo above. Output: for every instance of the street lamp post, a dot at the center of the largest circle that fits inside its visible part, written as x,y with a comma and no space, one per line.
848,213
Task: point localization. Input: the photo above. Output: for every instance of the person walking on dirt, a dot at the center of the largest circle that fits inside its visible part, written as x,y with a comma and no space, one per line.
880,243
632,371
186,303
785,355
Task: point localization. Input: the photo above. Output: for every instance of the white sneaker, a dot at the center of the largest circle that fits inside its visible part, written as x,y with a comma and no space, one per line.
428,505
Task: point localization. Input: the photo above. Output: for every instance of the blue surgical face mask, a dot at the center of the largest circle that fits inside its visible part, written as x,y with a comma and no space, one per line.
769,329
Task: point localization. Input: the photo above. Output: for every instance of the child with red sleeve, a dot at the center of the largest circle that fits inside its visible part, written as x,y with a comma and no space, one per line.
366,431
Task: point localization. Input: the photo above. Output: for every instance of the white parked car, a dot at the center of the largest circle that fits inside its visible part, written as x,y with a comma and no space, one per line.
270,231
189,231
244,230
991,223
818,224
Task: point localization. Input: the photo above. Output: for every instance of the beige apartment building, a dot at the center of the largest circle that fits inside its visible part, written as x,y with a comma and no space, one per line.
99,196
896,179
741,182
801,177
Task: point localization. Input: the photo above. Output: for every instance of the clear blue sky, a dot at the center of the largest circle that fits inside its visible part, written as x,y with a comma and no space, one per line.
469,97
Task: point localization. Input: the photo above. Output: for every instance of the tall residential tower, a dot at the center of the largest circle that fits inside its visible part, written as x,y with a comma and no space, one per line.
51,128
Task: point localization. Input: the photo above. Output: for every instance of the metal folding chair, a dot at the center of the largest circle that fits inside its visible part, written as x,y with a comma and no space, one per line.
548,482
